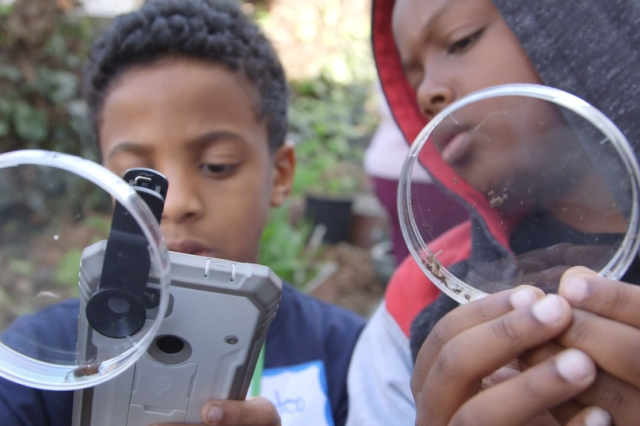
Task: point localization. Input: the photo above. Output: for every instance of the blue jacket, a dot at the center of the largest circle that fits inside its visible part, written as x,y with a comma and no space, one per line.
305,332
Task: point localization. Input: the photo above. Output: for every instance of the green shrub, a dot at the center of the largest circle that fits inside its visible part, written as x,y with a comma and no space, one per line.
284,248
330,125
42,49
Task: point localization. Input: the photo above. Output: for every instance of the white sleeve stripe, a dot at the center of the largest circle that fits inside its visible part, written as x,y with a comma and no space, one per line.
379,375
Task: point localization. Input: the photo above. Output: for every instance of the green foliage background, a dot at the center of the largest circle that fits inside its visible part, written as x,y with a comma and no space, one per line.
42,48
43,44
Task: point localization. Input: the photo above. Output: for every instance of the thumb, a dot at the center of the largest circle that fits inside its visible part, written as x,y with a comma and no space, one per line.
253,412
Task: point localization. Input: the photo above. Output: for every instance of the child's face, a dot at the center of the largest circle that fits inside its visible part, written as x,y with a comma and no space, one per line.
197,124
451,48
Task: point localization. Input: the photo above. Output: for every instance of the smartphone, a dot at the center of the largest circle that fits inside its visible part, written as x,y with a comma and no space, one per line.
207,345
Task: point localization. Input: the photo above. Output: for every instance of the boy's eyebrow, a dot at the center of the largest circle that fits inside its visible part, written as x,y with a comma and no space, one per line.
131,147
201,141
214,136
437,15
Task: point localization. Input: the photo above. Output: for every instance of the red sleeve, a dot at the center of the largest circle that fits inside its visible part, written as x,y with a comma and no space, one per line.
410,291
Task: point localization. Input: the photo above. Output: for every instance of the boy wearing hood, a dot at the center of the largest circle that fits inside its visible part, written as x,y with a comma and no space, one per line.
428,55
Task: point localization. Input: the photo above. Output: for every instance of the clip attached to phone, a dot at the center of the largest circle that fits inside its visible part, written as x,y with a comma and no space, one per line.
118,307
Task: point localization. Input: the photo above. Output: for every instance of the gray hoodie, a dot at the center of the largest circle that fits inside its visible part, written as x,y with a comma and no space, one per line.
590,48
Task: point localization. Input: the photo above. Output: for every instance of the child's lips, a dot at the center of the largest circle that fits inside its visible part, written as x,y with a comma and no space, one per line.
455,150
190,247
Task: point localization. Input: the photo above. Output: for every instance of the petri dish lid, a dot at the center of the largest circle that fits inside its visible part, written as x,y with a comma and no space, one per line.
60,253
548,182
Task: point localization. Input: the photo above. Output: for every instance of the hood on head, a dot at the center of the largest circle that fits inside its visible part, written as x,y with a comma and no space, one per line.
584,47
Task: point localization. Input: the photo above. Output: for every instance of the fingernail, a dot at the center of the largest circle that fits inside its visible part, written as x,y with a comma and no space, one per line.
522,298
548,310
214,415
575,366
573,289
597,417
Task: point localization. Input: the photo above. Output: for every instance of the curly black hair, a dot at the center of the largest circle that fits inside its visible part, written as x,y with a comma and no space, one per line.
211,30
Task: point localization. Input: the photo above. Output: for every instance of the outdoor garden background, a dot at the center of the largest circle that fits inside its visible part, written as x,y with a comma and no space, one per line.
324,45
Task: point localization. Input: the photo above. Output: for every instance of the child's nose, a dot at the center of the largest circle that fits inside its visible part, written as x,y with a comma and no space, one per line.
433,96
183,202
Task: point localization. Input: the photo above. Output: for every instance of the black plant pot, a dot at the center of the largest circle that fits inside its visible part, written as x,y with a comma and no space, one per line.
334,213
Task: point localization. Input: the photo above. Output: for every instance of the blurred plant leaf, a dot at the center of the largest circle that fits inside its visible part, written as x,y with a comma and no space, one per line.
57,86
283,248
11,73
68,268
30,123
56,46
327,121
42,46
102,224
20,267
5,9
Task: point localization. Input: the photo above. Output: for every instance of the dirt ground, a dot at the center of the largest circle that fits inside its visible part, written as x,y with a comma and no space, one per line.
352,283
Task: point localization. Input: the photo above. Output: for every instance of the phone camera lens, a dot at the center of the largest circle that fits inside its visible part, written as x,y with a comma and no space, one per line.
170,344
119,305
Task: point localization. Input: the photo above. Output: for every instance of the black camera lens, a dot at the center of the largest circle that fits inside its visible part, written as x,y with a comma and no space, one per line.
116,313
170,344
119,305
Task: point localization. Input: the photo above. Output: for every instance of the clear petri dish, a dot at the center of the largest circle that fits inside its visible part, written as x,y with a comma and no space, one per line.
549,182
59,255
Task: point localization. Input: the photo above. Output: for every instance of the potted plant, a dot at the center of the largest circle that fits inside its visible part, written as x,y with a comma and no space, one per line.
329,198
327,124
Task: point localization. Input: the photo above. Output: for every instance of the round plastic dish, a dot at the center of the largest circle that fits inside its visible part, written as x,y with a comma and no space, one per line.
37,347
599,145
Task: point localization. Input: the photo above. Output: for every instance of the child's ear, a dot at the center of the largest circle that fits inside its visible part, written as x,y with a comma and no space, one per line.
284,165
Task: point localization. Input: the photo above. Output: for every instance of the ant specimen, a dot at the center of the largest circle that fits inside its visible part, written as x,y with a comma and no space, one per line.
433,265
85,370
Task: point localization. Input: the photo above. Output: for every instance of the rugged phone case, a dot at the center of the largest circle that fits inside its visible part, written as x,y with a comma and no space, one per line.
207,347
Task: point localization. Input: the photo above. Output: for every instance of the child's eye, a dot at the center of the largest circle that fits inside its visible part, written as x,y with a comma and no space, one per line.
465,43
218,169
